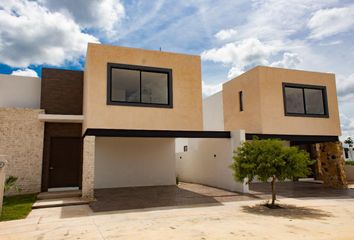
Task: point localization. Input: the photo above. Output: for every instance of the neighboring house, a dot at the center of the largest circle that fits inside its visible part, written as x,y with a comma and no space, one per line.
348,152
136,117
299,107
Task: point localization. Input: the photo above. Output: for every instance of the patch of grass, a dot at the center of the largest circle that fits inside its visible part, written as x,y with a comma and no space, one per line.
17,207
350,163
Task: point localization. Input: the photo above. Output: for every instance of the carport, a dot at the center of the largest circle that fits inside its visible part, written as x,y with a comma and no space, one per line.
115,159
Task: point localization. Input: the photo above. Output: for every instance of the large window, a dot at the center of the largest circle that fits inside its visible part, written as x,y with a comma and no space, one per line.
305,100
139,86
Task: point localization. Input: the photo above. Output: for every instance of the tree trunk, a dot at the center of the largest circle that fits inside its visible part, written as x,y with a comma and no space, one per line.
273,190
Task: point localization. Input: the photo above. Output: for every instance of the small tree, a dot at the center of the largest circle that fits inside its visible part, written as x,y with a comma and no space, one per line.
269,159
349,141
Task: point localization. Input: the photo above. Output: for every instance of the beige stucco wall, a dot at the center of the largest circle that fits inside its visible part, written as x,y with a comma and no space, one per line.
250,118
273,119
186,113
21,140
264,106
130,162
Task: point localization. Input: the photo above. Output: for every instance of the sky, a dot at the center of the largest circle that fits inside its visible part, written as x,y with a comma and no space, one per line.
230,36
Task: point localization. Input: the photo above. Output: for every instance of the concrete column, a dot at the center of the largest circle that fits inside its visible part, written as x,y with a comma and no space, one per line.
2,179
88,168
237,138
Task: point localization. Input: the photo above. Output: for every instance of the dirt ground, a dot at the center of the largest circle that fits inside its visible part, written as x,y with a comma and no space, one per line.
307,218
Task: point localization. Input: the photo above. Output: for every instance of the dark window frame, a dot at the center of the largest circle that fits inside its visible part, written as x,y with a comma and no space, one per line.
303,87
240,99
141,69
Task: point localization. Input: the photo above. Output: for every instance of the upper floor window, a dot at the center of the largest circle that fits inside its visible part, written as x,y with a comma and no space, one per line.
305,100
139,86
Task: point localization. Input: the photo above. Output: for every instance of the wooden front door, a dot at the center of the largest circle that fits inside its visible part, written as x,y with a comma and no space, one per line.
65,162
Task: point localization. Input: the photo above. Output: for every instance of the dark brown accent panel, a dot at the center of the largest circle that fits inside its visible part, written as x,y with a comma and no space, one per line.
57,130
62,91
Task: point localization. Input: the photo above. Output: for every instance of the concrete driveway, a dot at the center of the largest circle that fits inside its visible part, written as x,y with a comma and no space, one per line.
185,194
301,219
196,212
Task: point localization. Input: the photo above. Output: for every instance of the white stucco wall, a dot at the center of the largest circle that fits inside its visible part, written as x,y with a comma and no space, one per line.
128,162
19,91
180,143
207,162
213,113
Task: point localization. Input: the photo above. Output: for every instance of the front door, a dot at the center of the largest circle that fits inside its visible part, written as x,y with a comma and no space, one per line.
65,162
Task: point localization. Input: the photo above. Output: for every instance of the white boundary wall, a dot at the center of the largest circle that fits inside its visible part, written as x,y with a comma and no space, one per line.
131,162
208,161
213,112
20,91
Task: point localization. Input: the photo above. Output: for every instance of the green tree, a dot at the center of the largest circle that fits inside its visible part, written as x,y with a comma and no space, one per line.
269,159
349,141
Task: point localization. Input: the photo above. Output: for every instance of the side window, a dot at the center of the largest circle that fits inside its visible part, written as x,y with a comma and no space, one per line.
240,99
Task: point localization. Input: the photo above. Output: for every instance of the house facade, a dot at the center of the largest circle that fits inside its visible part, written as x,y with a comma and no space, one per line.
298,107
136,117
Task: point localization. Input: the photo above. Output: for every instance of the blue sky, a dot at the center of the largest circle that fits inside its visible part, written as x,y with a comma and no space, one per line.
230,36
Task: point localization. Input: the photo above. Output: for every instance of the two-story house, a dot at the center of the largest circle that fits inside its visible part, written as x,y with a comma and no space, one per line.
136,117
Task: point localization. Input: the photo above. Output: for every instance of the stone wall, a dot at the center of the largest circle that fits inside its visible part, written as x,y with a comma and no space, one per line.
3,164
330,164
21,140
88,168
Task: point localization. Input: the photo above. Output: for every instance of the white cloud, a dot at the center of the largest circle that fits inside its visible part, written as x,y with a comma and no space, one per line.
328,22
31,34
103,15
249,53
226,34
290,60
347,126
210,89
246,52
279,19
345,87
25,72
234,72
